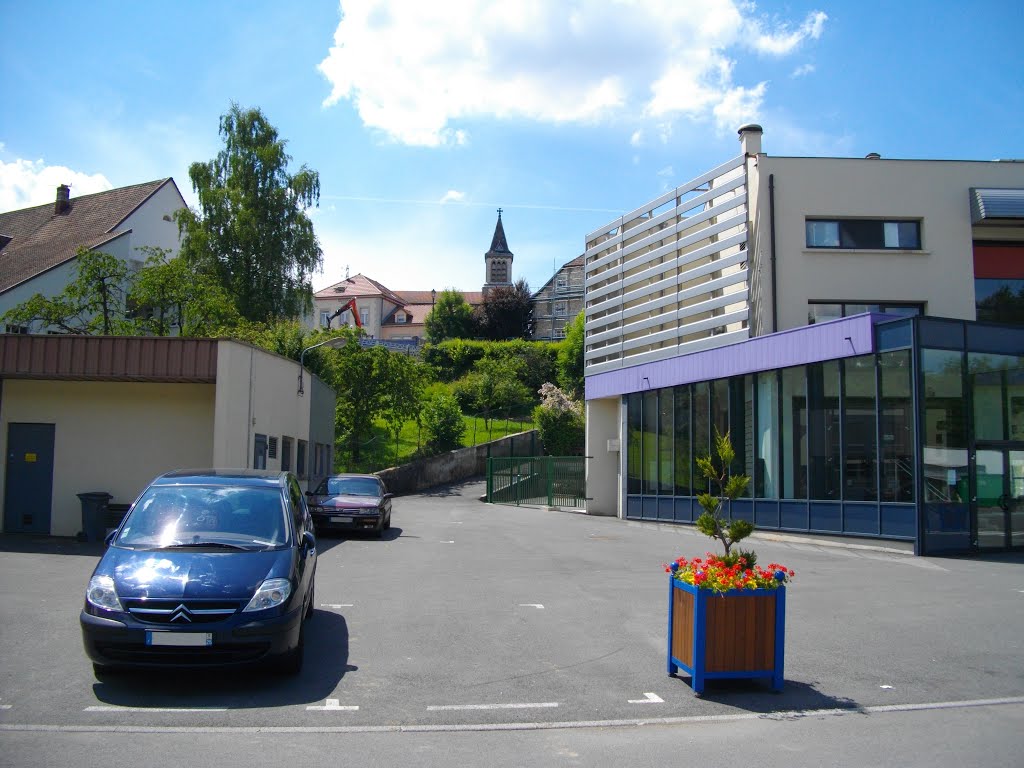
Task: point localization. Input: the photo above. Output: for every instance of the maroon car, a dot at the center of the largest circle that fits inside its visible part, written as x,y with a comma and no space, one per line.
351,503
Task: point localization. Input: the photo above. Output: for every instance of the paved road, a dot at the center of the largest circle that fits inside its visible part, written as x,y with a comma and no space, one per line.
478,634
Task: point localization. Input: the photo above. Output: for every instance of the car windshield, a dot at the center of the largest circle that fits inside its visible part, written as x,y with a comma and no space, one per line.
197,515
350,486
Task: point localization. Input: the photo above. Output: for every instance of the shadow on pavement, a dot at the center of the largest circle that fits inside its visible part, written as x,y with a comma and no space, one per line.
50,545
326,663
754,695
468,487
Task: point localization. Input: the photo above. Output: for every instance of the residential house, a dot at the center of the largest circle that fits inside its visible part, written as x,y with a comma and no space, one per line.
558,302
38,245
830,315
103,413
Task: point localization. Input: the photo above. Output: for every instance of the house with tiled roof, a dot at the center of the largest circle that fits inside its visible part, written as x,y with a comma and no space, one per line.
400,316
38,245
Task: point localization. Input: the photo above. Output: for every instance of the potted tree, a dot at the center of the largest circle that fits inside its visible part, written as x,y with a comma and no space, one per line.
726,614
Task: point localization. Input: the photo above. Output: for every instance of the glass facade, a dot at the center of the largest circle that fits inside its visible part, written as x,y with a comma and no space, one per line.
922,440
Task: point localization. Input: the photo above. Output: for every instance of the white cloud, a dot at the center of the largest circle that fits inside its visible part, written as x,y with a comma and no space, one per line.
417,71
26,183
783,40
667,172
637,139
805,69
453,196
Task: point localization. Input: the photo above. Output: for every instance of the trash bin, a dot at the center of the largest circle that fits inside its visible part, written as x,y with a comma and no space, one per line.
94,515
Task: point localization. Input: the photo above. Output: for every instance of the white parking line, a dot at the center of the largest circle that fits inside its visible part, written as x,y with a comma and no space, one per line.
649,698
155,709
447,542
332,705
335,605
538,606
6,706
492,706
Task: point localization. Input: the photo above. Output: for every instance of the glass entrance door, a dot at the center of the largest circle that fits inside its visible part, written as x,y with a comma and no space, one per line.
998,508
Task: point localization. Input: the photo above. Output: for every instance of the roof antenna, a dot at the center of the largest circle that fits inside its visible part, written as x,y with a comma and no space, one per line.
346,271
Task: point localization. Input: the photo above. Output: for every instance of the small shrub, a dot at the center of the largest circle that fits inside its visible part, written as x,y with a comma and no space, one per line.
442,422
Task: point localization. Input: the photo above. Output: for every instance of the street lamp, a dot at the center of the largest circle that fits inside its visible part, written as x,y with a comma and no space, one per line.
302,355
433,297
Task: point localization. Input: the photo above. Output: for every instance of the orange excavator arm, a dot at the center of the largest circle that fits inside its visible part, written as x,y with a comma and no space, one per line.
349,306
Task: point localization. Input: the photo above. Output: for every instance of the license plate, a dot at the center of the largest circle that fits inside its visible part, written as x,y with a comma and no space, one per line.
338,519
180,639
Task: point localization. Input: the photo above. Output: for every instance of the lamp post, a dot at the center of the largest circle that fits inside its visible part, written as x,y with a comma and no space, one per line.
302,356
433,298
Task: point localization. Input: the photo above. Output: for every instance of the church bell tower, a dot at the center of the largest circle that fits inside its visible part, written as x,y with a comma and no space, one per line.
498,260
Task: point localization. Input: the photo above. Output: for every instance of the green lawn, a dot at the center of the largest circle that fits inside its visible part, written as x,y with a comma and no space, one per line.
381,450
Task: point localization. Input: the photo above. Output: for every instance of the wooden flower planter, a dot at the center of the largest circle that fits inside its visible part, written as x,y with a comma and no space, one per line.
736,634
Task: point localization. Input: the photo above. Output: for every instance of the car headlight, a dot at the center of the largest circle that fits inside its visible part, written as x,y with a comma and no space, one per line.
102,594
272,593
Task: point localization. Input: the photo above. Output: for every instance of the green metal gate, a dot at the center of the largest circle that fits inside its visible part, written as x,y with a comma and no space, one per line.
555,481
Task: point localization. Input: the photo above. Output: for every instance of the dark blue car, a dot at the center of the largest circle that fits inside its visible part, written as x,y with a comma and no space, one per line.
208,568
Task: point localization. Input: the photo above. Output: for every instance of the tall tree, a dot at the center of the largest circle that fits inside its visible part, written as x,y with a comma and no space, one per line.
251,231
570,357
450,318
507,312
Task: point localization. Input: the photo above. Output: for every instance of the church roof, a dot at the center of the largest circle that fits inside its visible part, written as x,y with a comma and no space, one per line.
499,246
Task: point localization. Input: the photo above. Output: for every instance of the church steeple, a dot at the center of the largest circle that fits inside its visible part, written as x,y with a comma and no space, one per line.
498,260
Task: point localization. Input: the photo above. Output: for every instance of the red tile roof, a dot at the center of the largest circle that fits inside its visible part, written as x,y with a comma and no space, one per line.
41,239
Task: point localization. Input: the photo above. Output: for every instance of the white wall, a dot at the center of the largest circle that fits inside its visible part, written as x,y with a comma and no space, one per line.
604,467
111,436
940,274
257,393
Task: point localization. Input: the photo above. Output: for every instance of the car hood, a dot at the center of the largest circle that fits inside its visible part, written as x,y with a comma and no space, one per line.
350,502
176,574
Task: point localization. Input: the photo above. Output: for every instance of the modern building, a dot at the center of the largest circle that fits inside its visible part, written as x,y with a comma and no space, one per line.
558,302
39,245
104,413
825,313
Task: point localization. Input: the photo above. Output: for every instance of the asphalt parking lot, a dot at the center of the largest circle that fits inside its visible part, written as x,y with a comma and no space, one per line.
470,617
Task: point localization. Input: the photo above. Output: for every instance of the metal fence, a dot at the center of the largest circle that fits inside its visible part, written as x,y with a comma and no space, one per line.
555,481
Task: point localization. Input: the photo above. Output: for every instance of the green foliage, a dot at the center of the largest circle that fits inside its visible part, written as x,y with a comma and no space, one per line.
570,357
494,384
560,423
251,232
715,468
506,312
95,302
168,294
442,422
451,360
450,318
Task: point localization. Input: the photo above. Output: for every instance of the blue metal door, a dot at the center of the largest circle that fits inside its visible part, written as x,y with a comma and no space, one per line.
28,490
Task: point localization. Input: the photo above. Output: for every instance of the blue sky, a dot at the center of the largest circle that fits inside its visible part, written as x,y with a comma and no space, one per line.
423,118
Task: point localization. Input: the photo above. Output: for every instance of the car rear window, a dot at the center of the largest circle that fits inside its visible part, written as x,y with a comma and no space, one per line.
353,486
169,516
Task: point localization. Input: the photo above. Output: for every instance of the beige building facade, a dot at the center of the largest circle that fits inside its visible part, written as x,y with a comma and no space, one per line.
84,414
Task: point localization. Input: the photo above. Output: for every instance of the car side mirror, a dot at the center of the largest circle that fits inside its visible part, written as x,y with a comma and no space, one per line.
388,495
308,541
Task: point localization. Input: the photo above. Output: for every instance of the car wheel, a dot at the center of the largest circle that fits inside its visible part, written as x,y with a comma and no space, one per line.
103,672
379,533
388,523
291,662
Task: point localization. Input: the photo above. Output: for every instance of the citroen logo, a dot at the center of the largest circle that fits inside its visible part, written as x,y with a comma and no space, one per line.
181,613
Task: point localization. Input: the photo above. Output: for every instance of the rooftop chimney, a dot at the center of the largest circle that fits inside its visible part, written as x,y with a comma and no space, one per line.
750,139
63,203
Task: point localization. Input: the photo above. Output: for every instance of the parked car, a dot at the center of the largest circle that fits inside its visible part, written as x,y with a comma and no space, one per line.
208,568
351,502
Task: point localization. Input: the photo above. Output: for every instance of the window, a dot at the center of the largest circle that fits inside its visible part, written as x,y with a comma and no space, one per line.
401,318
999,300
286,454
820,311
16,329
272,448
873,234
325,318
259,452
364,317
558,333
300,460
561,309
561,282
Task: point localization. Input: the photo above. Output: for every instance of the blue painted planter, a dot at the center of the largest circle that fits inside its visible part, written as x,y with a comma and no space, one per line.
735,634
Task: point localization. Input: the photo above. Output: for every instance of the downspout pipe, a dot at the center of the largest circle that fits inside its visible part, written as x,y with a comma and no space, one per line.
771,245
